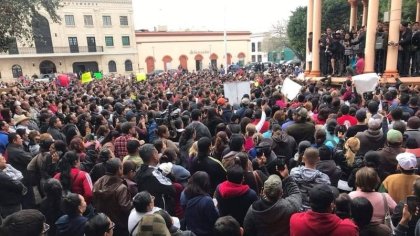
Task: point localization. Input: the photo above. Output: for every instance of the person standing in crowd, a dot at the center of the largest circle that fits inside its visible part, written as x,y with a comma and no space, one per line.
4,136
302,129
99,225
28,222
320,220
111,196
73,222
54,128
128,132
200,129
404,49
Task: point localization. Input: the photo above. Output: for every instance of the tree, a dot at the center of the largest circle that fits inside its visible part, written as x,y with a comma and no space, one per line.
408,9
296,31
277,39
16,17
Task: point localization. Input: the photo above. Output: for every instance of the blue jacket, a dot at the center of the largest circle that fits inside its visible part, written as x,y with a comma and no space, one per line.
200,214
74,226
4,140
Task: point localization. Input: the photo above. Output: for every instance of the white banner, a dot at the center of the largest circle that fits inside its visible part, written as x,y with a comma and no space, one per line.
290,88
234,91
365,82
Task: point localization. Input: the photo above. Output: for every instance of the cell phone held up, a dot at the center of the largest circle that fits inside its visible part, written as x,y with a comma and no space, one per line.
412,204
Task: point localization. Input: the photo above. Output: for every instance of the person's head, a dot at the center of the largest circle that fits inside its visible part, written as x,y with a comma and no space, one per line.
397,114
198,184
196,115
151,225
55,122
320,136
227,226
77,145
203,145
394,137
45,142
250,130
273,188
169,155
129,169
163,131
235,174
311,156
373,107
374,124
236,142
300,114
399,126
351,146
361,116
114,167
413,122
407,162
321,198
15,139
65,164
345,109
342,205
372,159
133,147
143,202
127,128
53,189
149,154
29,222
325,153
361,211
99,225
73,205
367,179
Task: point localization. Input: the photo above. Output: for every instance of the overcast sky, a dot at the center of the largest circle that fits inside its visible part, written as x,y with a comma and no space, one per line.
255,15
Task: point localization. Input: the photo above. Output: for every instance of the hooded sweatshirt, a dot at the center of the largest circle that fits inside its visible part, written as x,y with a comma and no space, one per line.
370,140
283,144
321,224
265,218
234,199
71,226
306,178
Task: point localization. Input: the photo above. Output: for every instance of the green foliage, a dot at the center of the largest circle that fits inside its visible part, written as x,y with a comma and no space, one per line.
335,14
16,16
408,9
296,31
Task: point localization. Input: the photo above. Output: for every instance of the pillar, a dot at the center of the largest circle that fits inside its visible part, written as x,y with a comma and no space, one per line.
316,29
353,14
393,38
418,11
365,12
309,20
371,35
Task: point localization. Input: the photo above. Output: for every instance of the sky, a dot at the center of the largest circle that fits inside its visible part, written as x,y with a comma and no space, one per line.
255,16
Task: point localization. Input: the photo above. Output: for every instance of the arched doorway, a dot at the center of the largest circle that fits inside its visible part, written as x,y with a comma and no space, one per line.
112,66
183,61
167,63
17,71
47,67
213,61
81,67
42,34
128,65
198,62
241,59
150,64
229,59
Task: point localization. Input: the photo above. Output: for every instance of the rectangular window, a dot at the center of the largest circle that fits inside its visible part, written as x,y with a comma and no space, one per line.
126,40
109,41
253,47
259,58
123,20
253,58
88,20
69,19
107,20
259,46
74,46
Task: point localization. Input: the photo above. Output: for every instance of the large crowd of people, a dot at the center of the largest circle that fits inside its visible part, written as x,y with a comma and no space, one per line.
172,156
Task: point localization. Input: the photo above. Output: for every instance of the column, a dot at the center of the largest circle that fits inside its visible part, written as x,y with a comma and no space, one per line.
309,20
393,38
315,72
353,14
418,11
365,12
371,36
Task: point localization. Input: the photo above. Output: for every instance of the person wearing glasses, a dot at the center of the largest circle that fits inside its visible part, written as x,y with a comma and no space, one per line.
99,225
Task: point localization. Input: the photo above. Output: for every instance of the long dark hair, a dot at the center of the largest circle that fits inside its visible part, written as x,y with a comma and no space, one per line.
65,164
186,135
198,184
110,136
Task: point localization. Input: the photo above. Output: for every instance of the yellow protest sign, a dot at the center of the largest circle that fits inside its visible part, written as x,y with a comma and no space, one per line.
141,77
86,77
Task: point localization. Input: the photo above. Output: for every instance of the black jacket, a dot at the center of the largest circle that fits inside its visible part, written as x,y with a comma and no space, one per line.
151,179
18,158
10,190
212,167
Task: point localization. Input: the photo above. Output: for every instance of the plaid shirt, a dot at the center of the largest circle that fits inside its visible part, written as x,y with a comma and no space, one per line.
121,146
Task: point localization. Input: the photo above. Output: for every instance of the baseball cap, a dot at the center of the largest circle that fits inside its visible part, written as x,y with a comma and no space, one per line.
221,101
321,194
273,186
301,111
245,101
394,136
407,161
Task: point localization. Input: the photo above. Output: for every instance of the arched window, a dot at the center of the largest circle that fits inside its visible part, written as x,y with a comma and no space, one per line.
150,64
128,65
112,66
17,71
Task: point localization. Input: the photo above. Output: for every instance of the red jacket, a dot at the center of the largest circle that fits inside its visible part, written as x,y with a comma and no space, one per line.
81,183
321,224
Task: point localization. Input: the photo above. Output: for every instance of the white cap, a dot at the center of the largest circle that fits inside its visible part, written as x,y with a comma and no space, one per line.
407,161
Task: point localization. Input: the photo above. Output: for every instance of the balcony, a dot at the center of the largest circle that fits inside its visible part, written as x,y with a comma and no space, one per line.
55,50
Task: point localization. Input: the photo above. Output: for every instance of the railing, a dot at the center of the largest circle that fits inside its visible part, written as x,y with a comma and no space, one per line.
44,50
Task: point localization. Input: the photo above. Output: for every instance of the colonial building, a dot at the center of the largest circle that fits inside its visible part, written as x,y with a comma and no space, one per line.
192,50
257,52
93,35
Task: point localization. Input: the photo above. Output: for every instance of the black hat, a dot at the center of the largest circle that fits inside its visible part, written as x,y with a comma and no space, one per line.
321,195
